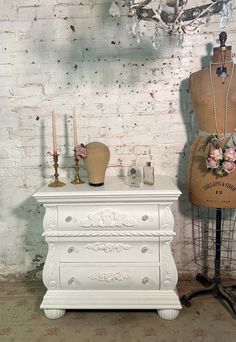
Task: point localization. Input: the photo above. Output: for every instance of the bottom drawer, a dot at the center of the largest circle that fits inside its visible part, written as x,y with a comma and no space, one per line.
112,277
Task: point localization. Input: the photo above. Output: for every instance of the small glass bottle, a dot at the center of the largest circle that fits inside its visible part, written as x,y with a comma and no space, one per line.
134,175
148,174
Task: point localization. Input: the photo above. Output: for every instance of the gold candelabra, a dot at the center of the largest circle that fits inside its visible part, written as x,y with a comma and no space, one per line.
77,179
56,183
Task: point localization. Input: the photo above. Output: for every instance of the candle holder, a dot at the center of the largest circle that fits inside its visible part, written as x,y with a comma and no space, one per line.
77,179
56,183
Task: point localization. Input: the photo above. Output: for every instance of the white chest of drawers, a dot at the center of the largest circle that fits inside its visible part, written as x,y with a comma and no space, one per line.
109,247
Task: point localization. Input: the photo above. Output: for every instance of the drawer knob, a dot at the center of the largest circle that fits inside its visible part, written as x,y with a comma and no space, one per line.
145,217
144,250
68,218
71,280
145,280
71,249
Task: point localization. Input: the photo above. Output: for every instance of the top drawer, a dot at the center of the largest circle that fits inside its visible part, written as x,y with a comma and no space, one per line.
84,217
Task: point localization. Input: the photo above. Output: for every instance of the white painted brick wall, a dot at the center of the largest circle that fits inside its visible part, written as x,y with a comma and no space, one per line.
56,54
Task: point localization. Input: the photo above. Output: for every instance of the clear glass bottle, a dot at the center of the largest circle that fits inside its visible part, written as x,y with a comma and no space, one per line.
148,174
134,175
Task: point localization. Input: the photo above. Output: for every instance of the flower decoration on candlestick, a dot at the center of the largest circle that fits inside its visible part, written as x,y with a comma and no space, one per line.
171,16
222,161
80,152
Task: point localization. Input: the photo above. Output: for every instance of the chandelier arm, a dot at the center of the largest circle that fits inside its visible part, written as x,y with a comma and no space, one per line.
173,23
180,12
152,15
191,28
201,14
142,4
187,15
157,17
186,27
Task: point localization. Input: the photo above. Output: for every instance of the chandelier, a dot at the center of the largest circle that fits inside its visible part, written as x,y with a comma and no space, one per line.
174,17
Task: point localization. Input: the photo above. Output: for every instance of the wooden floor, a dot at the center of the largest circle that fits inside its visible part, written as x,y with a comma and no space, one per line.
21,320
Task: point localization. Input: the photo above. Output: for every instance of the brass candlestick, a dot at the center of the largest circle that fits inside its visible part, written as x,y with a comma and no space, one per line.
56,183
77,179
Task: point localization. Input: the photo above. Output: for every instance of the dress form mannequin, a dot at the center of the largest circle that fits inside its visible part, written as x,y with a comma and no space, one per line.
214,103
213,94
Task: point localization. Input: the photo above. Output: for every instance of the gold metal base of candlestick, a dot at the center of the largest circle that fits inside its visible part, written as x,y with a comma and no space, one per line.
77,180
56,183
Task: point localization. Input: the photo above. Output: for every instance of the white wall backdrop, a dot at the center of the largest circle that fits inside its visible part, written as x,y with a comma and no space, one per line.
60,54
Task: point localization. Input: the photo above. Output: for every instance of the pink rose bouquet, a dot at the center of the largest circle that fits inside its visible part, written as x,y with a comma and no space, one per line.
222,162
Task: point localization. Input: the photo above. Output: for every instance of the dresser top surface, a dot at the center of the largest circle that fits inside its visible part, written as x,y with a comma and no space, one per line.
114,187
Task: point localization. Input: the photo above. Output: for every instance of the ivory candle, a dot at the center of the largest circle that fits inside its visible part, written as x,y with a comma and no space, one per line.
75,129
54,139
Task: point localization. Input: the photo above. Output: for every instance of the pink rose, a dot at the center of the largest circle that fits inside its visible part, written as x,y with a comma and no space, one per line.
217,154
228,166
230,154
80,151
211,163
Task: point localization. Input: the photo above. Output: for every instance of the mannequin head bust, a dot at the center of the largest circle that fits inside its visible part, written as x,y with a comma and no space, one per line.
222,54
96,161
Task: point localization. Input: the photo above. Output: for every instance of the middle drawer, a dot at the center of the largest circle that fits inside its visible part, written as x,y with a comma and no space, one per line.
105,251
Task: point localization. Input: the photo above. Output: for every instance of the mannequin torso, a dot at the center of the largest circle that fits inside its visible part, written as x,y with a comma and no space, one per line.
201,96
214,103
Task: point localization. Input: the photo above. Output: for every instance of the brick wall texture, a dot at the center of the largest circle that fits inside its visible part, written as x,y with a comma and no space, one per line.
60,54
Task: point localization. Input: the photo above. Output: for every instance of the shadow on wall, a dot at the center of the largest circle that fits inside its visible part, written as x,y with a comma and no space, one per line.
191,125
35,248
31,213
83,47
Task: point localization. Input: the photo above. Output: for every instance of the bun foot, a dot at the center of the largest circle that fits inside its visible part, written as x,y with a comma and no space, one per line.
54,313
168,314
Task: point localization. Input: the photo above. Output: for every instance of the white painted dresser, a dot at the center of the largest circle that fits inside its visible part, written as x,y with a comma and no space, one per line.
109,247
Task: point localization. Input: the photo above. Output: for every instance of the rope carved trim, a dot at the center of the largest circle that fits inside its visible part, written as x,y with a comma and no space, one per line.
105,234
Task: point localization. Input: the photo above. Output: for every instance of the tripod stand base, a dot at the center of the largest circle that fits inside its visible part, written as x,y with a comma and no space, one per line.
218,290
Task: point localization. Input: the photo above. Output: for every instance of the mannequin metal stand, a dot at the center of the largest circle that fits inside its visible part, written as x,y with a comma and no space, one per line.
215,286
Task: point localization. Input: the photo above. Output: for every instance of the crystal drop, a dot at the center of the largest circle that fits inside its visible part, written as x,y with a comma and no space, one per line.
156,40
223,22
129,26
196,12
226,14
114,10
207,20
160,8
138,39
180,39
132,11
211,9
144,14
133,25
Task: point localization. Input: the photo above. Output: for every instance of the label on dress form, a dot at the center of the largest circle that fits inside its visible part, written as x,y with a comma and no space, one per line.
207,189
215,193
219,184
